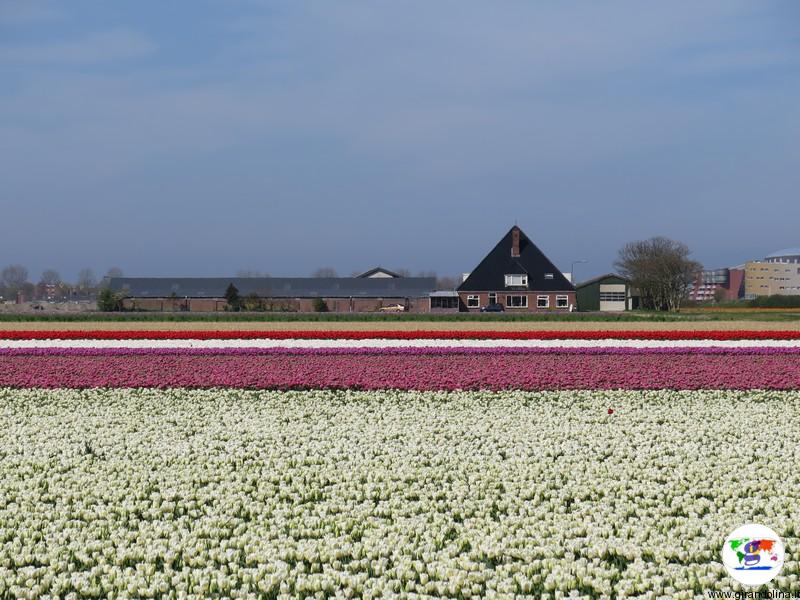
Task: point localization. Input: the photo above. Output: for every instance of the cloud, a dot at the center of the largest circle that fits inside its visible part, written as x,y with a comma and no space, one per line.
101,47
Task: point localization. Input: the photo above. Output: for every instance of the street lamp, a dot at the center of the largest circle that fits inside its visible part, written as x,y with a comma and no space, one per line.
572,268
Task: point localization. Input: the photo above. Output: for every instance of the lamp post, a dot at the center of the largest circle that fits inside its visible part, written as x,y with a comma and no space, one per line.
572,268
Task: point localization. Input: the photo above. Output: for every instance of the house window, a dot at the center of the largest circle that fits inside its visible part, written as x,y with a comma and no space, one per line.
548,275
542,301
492,298
473,301
516,280
516,301
562,301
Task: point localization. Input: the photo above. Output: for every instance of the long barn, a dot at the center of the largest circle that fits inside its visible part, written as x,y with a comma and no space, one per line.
300,294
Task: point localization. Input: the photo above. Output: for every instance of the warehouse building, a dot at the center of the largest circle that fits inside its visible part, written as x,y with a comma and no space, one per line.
606,293
369,293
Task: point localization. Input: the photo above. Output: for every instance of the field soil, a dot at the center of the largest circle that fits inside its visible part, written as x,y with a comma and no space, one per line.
401,325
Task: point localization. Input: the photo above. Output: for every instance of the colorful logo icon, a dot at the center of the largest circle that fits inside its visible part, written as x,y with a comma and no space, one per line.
753,554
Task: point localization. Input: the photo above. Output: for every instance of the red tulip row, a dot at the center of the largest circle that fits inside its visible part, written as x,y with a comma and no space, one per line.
400,335
417,369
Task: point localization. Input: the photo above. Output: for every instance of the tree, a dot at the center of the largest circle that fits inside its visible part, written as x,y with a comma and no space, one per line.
320,305
50,277
86,280
108,301
114,272
402,272
661,269
14,277
447,283
325,272
232,297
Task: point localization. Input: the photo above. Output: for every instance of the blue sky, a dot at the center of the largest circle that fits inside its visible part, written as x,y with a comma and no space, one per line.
205,137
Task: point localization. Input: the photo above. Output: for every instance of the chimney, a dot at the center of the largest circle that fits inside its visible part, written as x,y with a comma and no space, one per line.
515,241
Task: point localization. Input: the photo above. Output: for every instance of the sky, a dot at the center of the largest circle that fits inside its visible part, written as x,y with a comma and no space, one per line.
207,137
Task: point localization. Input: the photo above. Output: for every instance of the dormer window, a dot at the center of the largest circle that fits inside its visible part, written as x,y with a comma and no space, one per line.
548,275
516,280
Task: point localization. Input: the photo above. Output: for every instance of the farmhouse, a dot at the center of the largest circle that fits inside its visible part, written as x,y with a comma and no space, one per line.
518,276
367,293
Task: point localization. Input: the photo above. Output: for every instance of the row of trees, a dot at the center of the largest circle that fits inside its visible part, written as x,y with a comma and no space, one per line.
15,279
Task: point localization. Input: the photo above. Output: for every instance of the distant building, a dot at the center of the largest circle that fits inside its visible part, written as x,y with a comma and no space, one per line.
606,293
341,294
377,273
706,285
517,275
778,273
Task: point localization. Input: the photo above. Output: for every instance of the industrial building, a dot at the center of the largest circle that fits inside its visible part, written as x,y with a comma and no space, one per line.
777,274
718,284
606,293
370,293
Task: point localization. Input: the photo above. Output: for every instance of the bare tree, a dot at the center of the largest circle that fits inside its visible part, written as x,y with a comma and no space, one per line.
661,269
325,272
426,274
86,279
14,277
114,272
50,277
402,272
447,283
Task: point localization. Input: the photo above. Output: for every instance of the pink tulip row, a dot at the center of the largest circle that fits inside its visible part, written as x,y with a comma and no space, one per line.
405,368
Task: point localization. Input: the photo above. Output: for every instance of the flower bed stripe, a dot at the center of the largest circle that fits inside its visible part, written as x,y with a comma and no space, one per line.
397,343
403,368
720,335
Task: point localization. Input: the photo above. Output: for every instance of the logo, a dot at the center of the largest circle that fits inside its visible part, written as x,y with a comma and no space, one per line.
753,554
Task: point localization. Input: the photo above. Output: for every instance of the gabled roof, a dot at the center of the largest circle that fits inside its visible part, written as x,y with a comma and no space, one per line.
601,278
490,274
274,287
375,270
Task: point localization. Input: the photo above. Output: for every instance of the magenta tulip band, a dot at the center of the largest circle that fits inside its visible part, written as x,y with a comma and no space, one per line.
405,368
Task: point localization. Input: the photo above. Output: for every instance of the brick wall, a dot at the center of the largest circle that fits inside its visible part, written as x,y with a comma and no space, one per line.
532,296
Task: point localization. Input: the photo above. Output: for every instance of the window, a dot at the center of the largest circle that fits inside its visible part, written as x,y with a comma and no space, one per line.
542,301
548,275
562,301
512,280
612,296
444,301
473,301
516,302
492,298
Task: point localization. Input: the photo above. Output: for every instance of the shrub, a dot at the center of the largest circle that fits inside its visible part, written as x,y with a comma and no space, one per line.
232,297
108,301
320,305
776,301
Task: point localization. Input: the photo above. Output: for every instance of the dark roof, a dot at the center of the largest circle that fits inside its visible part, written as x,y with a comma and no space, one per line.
274,287
374,270
601,278
490,274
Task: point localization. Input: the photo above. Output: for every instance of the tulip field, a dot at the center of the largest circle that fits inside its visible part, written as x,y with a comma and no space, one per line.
367,464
